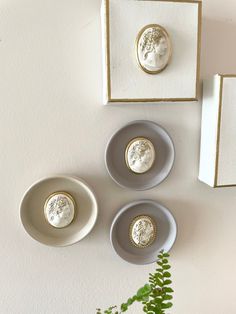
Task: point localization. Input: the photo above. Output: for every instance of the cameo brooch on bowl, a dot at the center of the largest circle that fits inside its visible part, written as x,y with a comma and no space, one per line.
59,209
142,231
140,155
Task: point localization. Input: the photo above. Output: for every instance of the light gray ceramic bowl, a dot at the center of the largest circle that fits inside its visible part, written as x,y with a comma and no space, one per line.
119,233
32,211
115,155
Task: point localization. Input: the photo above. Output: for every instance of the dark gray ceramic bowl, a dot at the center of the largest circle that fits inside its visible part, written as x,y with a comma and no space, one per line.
115,155
166,231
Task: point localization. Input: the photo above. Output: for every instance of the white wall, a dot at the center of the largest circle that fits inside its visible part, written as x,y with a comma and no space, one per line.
52,121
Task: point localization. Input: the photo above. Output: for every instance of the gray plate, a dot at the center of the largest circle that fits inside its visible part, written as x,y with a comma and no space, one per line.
32,211
166,231
115,155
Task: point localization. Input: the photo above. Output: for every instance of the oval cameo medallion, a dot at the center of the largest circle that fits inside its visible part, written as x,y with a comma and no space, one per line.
153,48
142,231
140,155
59,209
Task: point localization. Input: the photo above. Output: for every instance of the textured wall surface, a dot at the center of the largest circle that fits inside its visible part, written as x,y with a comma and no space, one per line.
52,121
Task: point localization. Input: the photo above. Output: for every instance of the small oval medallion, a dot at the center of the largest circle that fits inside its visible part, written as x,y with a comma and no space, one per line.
59,209
142,231
153,48
140,155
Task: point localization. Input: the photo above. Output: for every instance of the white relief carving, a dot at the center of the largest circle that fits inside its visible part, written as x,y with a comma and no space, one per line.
153,48
142,231
59,210
140,155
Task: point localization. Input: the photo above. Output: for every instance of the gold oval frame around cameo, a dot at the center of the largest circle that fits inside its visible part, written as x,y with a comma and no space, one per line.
67,195
154,231
126,153
137,42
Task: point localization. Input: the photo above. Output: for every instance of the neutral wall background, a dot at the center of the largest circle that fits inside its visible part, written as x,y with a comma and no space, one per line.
52,121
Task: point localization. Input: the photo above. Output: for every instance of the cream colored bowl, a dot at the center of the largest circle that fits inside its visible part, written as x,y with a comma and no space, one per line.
33,217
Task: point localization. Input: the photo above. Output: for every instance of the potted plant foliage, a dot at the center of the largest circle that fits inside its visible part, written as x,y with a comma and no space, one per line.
155,296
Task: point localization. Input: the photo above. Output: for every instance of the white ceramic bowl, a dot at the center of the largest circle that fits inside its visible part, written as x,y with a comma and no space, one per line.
32,211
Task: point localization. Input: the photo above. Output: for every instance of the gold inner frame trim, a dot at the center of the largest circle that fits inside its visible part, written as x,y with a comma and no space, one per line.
216,185
151,100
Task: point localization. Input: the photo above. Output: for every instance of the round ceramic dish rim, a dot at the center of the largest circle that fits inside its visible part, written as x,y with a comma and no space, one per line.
115,133
60,177
127,207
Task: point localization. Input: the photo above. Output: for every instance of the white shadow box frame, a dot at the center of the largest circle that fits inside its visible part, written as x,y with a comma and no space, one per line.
123,79
218,134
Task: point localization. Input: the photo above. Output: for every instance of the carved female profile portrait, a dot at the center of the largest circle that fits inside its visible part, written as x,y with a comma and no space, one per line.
59,209
142,231
153,48
140,155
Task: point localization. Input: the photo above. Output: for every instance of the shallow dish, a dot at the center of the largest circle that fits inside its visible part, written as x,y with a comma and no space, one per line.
32,211
120,238
115,155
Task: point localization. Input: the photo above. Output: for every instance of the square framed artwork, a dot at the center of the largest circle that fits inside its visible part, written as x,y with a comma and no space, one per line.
218,133
125,80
